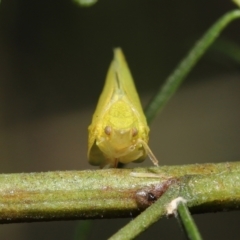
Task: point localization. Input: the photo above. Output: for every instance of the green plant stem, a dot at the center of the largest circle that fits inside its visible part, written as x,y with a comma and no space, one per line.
187,222
147,218
195,189
176,78
50,196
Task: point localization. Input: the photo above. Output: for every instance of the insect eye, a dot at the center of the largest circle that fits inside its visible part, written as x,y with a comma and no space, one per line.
134,132
108,130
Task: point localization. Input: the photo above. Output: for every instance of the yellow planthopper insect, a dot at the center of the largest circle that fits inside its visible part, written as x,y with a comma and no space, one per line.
119,130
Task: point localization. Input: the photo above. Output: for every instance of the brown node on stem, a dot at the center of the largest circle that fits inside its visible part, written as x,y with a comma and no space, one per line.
148,195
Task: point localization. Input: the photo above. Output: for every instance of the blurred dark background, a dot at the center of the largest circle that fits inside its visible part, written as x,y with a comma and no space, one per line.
54,56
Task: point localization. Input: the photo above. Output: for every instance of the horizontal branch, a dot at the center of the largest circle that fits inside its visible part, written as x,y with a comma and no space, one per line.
114,193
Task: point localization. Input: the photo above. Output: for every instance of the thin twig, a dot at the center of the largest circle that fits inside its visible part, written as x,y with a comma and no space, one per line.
176,78
187,222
